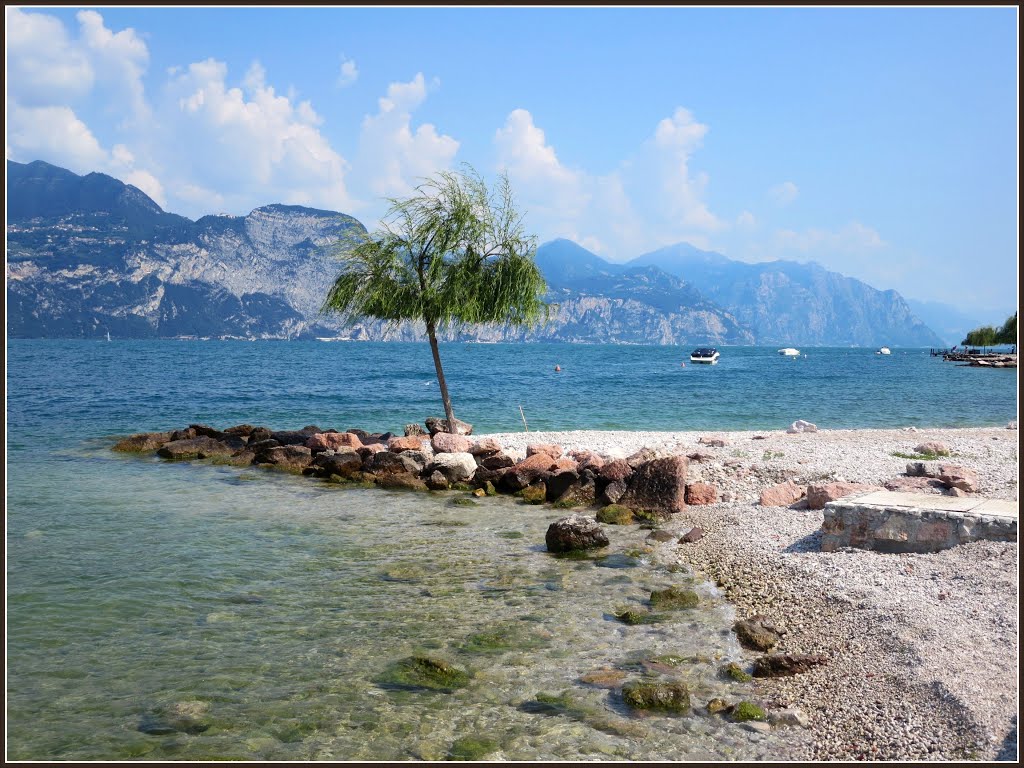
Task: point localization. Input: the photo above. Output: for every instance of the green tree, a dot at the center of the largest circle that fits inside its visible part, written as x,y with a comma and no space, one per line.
1008,333
454,253
981,337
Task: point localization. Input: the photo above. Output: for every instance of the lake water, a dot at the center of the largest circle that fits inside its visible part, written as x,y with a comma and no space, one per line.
167,611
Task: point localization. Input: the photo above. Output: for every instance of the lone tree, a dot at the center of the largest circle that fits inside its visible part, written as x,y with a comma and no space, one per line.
452,254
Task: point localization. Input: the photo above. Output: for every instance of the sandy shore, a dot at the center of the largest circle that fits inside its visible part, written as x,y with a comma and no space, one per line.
922,648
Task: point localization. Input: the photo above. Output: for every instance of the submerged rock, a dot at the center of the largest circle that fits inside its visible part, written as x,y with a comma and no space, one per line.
574,533
745,711
424,673
534,494
734,671
674,597
662,697
615,514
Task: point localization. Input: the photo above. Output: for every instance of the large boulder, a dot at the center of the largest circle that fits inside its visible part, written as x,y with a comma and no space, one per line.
414,430
295,437
200,448
820,495
800,425
343,463
612,492
526,471
781,495
401,480
658,486
292,458
933,448
456,467
332,441
558,483
574,533
486,447
409,443
580,494
388,463
445,442
954,476
554,451
587,459
642,456
496,461
437,424
144,442
616,471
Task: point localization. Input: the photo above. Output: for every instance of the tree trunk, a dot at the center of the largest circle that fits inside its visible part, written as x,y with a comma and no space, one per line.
449,414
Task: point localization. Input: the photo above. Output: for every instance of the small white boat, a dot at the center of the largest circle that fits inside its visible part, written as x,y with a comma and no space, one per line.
704,355
883,351
789,352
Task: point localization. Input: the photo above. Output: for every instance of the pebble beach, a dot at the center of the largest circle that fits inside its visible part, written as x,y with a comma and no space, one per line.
922,648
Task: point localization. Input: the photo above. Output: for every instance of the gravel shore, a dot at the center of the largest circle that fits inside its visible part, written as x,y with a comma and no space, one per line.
922,648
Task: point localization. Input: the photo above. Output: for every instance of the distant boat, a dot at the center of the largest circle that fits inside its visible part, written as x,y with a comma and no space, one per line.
883,351
789,352
704,355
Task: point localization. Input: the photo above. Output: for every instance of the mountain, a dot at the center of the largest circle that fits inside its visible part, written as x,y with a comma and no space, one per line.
785,302
949,322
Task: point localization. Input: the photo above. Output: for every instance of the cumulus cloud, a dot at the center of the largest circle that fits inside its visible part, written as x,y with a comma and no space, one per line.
393,157
783,194
348,73
44,66
56,134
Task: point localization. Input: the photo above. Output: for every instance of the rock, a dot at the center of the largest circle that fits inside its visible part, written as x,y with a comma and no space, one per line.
954,476
534,494
526,471
260,433
496,461
614,514
756,633
408,443
746,712
368,450
800,425
733,671
445,442
144,442
457,467
819,495
437,424
324,441
692,535
759,437
573,533
559,482
933,448
401,480
343,463
424,673
415,461
240,430
297,437
486,447
565,464
658,486
293,458
713,442
660,535
792,717
182,434
437,481
616,471
554,451
664,697
920,469
643,456
957,492
587,459
674,598
700,458
613,492
603,678
914,484
781,495
718,705
414,430
200,448
1011,425
698,494
757,726
581,494
385,463
784,664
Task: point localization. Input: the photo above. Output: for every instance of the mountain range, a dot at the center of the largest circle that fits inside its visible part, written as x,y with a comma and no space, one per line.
89,255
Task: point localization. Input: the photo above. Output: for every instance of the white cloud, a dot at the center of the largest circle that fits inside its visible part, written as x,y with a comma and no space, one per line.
746,220
119,60
783,194
44,66
852,238
348,73
393,158
56,135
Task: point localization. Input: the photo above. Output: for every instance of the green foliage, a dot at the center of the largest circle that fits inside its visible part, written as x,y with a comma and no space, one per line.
986,336
1008,333
918,456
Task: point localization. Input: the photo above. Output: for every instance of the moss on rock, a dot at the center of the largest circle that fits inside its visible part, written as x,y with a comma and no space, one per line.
734,671
534,494
424,673
746,711
615,514
471,748
674,598
662,697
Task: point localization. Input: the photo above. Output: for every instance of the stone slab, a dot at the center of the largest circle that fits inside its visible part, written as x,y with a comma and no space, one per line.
998,508
933,501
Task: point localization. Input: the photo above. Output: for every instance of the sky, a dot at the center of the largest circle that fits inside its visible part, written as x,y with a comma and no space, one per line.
879,142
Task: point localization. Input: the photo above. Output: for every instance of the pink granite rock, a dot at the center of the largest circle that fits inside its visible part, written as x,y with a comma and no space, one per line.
323,441
565,464
698,494
819,495
781,495
954,476
933,447
616,471
915,484
714,442
486,447
554,451
410,443
446,442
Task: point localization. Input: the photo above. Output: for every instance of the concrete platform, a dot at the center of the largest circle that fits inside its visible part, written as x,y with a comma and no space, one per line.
887,521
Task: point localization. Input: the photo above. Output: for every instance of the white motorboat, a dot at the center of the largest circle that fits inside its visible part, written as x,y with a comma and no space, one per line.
704,355
789,352
883,351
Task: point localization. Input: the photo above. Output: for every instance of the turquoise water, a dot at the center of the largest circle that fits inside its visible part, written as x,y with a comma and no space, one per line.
268,607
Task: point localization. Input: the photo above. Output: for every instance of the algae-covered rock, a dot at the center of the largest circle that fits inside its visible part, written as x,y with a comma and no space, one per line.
463,501
424,673
674,598
745,711
658,696
603,678
734,671
632,616
144,442
574,533
718,705
191,717
534,494
471,748
565,704
615,514
756,633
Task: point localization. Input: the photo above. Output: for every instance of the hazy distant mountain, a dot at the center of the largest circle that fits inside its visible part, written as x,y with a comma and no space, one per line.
951,323
785,302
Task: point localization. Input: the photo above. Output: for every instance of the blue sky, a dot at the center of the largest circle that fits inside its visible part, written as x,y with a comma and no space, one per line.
881,143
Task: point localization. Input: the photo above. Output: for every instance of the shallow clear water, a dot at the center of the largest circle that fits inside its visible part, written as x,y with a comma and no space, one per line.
270,606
